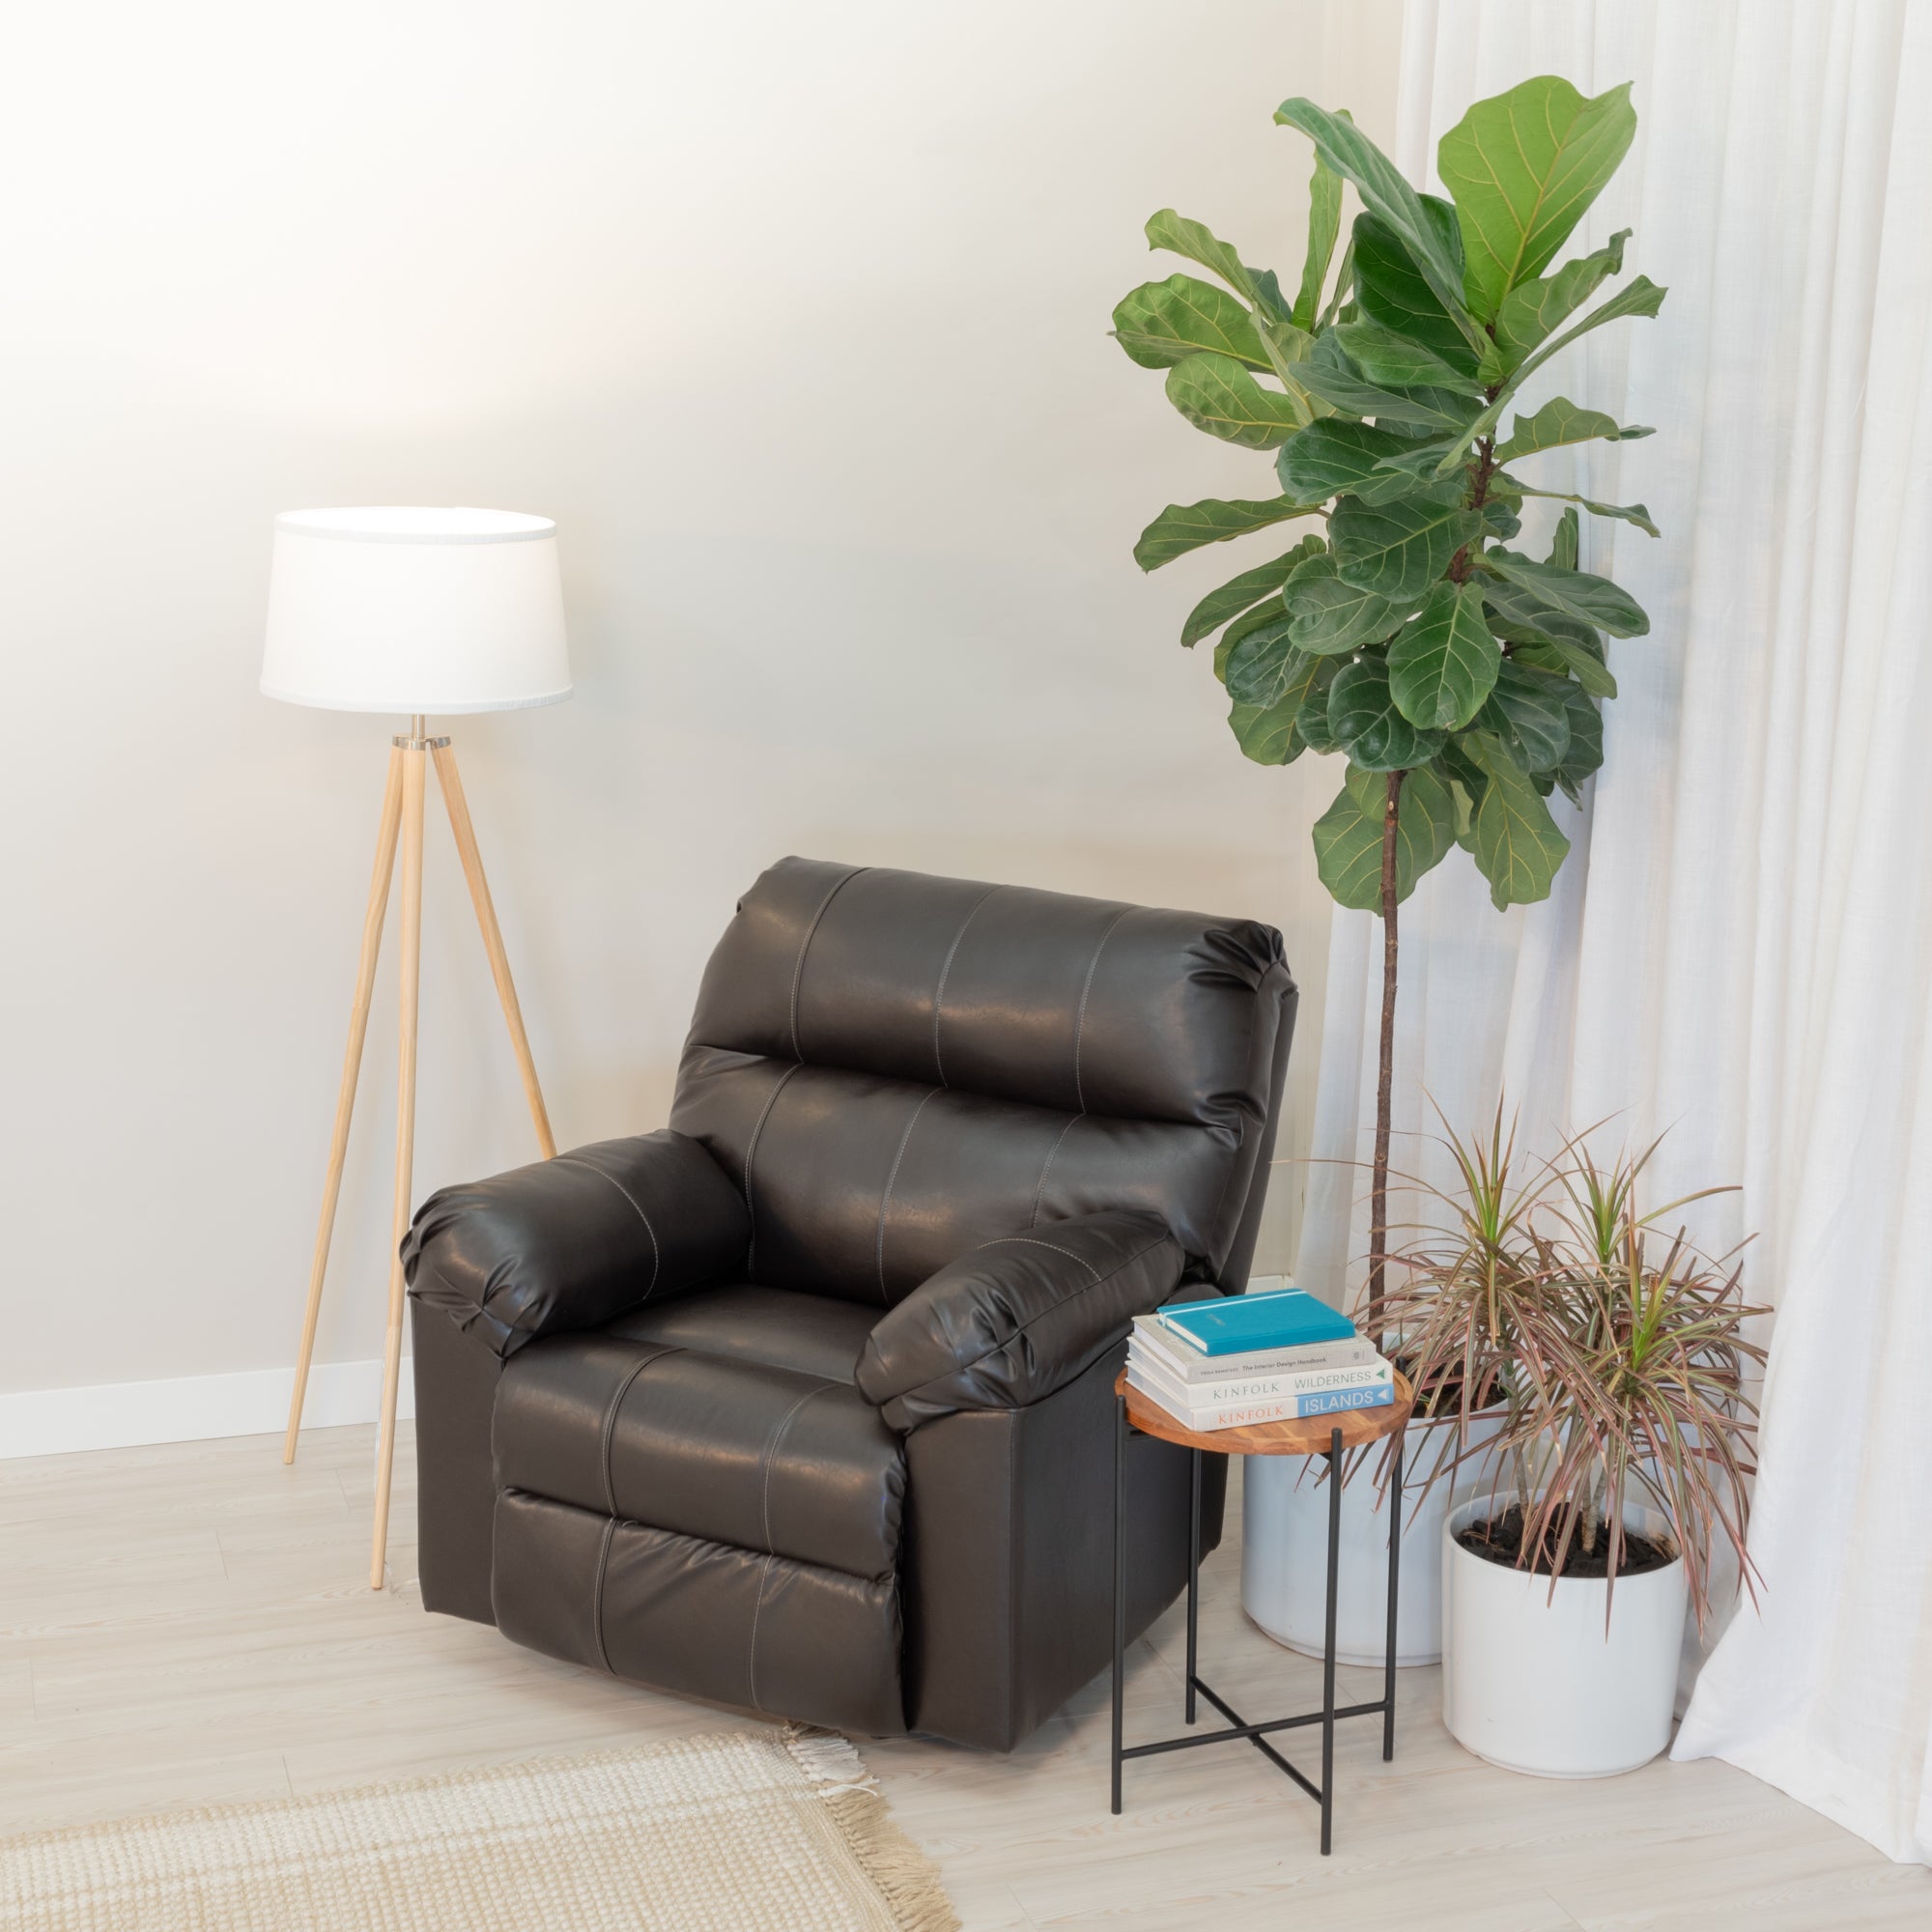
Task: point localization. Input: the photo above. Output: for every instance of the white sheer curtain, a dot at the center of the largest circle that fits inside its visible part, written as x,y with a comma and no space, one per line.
1739,947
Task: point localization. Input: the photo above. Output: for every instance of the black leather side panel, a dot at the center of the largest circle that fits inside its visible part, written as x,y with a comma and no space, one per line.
1009,1563
456,1380
699,1618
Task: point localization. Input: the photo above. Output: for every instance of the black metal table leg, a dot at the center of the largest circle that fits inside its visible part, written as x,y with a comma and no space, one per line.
1395,1573
1193,1577
1237,1728
1329,1639
1119,1586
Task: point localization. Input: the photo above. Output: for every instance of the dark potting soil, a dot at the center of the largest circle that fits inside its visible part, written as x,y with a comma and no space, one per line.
1500,1539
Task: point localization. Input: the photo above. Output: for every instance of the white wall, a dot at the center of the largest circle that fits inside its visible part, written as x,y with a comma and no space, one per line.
794,319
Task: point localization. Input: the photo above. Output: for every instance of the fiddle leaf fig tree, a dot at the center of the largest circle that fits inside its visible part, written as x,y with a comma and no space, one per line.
1460,678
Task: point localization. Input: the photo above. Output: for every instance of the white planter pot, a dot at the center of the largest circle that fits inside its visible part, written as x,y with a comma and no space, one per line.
1536,1682
1285,1548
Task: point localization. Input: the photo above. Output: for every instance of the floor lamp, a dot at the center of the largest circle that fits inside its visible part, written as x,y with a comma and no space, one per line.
414,613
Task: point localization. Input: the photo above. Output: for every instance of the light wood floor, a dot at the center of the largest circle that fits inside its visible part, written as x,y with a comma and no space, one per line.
192,1622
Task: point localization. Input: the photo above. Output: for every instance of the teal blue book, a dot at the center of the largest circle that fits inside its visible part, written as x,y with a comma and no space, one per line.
1291,1318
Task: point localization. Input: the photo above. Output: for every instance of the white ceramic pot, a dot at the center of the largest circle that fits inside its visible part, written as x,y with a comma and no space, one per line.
1285,1548
1538,1684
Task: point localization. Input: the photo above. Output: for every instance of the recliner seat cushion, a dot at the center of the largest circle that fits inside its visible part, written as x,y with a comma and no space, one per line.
774,1460
745,1322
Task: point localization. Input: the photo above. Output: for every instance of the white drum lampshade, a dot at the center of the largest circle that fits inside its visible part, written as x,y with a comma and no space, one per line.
430,611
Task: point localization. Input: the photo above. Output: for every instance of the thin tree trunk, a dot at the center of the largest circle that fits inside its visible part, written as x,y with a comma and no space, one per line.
1385,1071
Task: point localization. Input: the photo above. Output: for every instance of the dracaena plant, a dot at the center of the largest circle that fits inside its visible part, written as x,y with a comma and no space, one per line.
1614,1361
1460,678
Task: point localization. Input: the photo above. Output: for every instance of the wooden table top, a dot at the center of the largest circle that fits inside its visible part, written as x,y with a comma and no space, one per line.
1308,1435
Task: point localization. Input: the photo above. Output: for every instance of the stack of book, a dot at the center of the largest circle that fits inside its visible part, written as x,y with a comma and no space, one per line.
1254,1358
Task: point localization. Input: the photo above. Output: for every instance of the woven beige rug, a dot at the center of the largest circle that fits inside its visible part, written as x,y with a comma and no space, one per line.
746,1832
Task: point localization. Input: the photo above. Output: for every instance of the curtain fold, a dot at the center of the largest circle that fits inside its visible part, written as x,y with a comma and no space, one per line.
1740,946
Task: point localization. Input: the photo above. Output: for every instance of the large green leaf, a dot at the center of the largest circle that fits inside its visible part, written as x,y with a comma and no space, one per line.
1394,362
1311,722
1383,191
1517,845
1330,617
1392,291
1517,614
1398,550
1185,527
1324,223
1217,394
1586,754
1522,167
1571,657
1530,312
1327,374
1365,721
1443,663
1563,542
1330,457
1576,593
1527,711
1179,236
1268,615
1641,297
1348,836
1160,323
1240,592
1264,668
1629,513
1558,422
1266,733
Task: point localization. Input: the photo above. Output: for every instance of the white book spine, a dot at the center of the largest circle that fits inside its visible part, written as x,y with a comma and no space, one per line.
1263,1388
1287,1408
1188,1366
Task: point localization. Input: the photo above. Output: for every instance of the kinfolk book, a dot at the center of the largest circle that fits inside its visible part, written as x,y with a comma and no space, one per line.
1174,1392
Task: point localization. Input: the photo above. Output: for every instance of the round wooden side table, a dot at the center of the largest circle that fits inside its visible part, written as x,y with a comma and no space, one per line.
1330,1436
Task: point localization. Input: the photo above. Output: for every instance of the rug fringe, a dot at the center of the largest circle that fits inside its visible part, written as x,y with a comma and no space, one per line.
908,1880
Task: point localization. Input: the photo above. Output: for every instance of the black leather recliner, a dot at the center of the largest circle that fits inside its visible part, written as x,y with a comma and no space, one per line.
806,1404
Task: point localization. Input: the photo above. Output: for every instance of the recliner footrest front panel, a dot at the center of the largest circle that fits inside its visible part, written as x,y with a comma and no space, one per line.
704,1619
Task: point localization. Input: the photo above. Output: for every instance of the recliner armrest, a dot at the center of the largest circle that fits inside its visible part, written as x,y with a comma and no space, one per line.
569,1243
1006,1324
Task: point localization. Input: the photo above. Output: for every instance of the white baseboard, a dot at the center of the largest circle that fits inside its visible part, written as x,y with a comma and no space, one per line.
191,1409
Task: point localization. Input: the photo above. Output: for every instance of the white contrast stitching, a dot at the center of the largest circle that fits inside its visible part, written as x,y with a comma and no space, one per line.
1080,1017
1031,1243
771,1555
946,972
750,1155
804,947
885,1199
657,1253
597,1595
1039,1189
610,1420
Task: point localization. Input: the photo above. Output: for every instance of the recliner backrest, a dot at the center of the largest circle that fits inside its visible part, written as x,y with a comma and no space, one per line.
897,1068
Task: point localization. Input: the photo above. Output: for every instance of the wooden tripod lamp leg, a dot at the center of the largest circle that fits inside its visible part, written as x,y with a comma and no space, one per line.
413,776
345,1099
493,938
